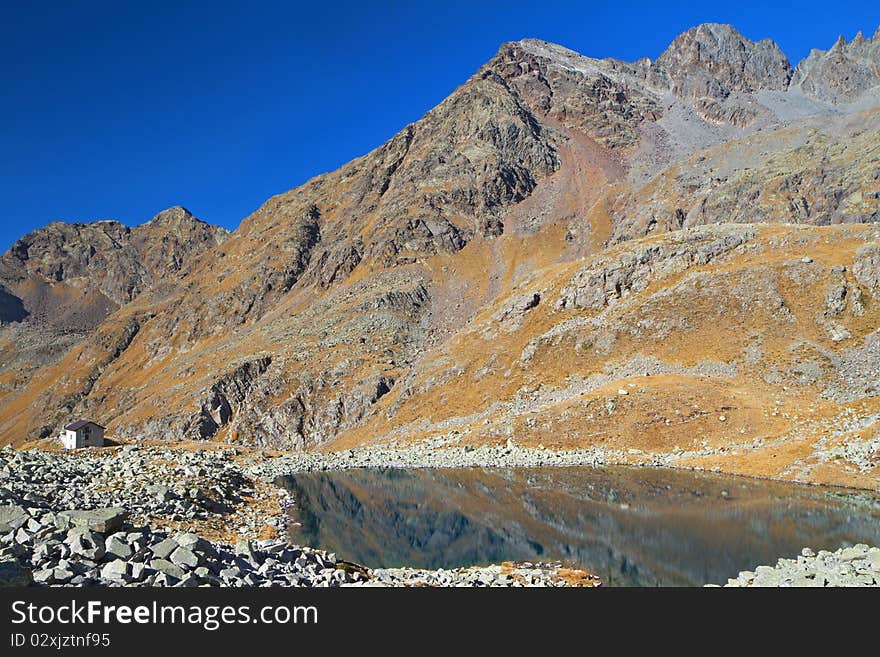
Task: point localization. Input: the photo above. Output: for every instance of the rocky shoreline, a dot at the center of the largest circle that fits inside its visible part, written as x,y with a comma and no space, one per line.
858,565
428,456
138,516
107,518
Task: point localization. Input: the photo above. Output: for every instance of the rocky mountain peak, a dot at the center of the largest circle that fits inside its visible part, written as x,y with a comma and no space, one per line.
176,214
843,73
102,264
713,60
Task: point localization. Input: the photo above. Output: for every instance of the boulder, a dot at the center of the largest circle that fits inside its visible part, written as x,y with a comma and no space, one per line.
163,549
12,517
167,568
62,574
193,542
85,543
103,521
118,547
184,558
116,570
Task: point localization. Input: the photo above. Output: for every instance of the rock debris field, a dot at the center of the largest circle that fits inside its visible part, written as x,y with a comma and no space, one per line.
135,516
852,566
103,519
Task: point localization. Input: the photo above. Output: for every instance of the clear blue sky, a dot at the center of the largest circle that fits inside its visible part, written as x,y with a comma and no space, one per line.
120,109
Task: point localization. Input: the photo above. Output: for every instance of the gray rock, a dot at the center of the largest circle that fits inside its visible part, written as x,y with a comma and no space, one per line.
85,543
103,521
167,568
188,581
62,574
184,558
138,539
851,566
116,570
22,536
138,572
163,549
230,573
44,576
192,542
12,517
118,547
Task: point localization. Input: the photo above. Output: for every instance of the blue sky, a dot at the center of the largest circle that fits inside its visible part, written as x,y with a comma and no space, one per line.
115,110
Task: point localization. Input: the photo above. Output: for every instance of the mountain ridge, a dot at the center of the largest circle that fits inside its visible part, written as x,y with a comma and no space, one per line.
346,311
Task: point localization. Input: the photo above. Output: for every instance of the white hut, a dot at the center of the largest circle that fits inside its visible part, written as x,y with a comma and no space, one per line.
82,433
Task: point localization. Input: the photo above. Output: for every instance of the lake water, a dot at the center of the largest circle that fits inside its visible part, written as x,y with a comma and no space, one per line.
632,527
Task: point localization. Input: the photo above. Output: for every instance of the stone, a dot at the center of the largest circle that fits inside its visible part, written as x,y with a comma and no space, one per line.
193,542
167,568
138,539
62,574
22,536
230,573
184,558
85,543
12,517
245,549
44,576
118,547
162,493
138,571
189,580
851,553
13,574
102,521
116,570
164,548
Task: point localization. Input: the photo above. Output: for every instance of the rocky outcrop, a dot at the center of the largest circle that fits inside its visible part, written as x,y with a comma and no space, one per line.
818,173
573,91
226,398
866,267
613,277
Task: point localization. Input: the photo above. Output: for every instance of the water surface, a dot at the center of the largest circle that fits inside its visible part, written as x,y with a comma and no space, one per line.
630,526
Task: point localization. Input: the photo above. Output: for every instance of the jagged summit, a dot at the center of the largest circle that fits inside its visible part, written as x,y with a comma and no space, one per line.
715,60
842,73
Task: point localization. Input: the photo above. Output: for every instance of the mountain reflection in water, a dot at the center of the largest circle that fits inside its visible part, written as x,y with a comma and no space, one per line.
629,526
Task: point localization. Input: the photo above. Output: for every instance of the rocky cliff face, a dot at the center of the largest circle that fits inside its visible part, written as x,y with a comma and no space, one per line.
546,232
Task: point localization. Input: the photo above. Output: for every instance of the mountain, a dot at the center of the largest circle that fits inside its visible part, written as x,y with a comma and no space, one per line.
60,283
843,73
698,231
